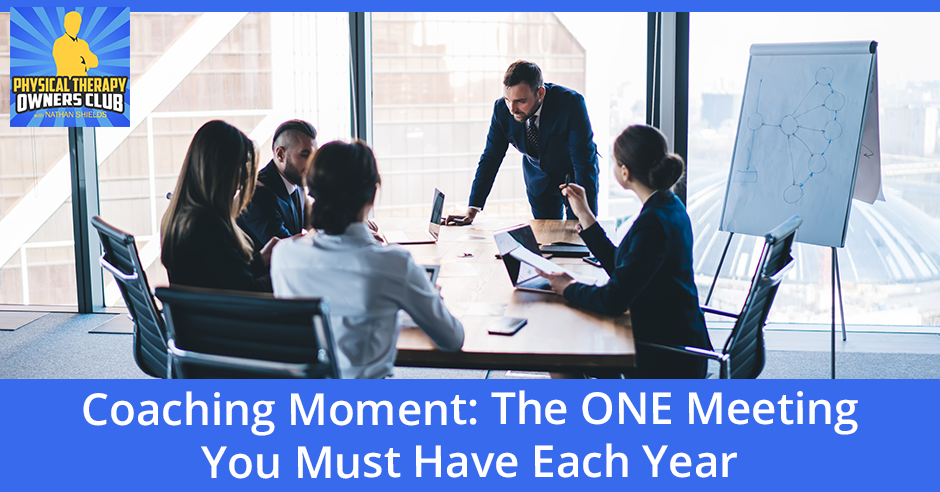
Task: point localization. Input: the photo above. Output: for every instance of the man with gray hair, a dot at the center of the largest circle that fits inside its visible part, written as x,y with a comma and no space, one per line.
278,205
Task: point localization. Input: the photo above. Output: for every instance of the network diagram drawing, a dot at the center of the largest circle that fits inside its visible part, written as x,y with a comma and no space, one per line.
809,128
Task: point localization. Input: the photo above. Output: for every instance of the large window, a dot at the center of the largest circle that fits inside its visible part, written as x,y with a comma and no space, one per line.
37,255
435,79
437,75
253,71
890,267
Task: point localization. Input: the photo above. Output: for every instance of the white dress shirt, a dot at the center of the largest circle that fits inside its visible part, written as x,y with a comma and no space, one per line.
290,187
366,284
538,113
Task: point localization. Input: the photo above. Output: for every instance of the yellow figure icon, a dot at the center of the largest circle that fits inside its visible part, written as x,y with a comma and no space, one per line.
72,56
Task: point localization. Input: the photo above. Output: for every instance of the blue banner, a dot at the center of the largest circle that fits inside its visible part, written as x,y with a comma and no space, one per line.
502,435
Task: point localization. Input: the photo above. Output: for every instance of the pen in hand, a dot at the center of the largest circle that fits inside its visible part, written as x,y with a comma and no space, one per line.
567,182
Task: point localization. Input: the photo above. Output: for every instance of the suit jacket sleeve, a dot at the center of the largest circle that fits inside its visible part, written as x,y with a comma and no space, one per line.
234,273
262,218
496,145
223,264
582,149
644,256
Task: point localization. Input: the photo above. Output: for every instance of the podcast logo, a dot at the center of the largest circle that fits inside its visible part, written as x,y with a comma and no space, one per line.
69,66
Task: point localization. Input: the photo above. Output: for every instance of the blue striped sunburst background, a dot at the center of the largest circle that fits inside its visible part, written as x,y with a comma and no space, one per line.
33,30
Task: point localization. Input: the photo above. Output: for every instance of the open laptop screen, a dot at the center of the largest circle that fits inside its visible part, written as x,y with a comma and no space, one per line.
508,240
437,209
526,272
524,236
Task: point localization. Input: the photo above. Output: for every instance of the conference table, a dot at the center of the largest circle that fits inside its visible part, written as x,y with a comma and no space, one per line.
477,289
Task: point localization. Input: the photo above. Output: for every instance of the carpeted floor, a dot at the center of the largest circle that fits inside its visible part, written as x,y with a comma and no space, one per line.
60,345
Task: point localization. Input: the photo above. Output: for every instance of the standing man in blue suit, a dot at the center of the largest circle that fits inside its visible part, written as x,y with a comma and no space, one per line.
549,125
279,202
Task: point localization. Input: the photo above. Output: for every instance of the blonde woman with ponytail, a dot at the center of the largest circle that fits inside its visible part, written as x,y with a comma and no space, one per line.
651,271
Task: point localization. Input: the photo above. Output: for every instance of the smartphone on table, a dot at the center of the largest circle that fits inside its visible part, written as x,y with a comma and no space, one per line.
592,260
507,326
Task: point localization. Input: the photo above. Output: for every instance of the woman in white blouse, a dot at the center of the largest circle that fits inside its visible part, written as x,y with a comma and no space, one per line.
366,283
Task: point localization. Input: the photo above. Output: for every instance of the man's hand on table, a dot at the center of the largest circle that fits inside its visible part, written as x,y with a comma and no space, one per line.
461,220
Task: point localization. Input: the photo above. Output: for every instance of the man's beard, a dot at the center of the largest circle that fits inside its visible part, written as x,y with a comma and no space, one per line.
525,116
292,173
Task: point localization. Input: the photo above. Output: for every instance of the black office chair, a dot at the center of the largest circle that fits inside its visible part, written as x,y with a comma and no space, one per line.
225,334
743,356
120,258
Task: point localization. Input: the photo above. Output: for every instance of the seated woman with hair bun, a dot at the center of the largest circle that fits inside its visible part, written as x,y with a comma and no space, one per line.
651,271
366,282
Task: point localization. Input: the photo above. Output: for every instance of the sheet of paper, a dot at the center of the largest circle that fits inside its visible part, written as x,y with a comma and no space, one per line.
536,261
868,179
801,147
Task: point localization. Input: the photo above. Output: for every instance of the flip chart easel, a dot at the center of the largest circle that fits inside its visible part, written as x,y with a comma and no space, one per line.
807,143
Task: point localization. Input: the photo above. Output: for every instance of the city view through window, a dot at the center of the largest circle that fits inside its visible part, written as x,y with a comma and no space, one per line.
437,75
435,79
890,266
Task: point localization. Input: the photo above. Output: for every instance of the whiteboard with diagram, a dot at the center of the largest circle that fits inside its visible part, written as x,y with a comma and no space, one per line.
799,139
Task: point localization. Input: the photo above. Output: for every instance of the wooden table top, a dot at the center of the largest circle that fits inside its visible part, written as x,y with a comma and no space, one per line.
476,288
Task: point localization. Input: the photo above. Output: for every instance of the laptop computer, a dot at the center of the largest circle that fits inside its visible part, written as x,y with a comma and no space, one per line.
523,275
422,237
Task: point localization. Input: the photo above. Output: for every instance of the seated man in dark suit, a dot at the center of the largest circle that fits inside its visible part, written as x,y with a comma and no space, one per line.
549,125
278,205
